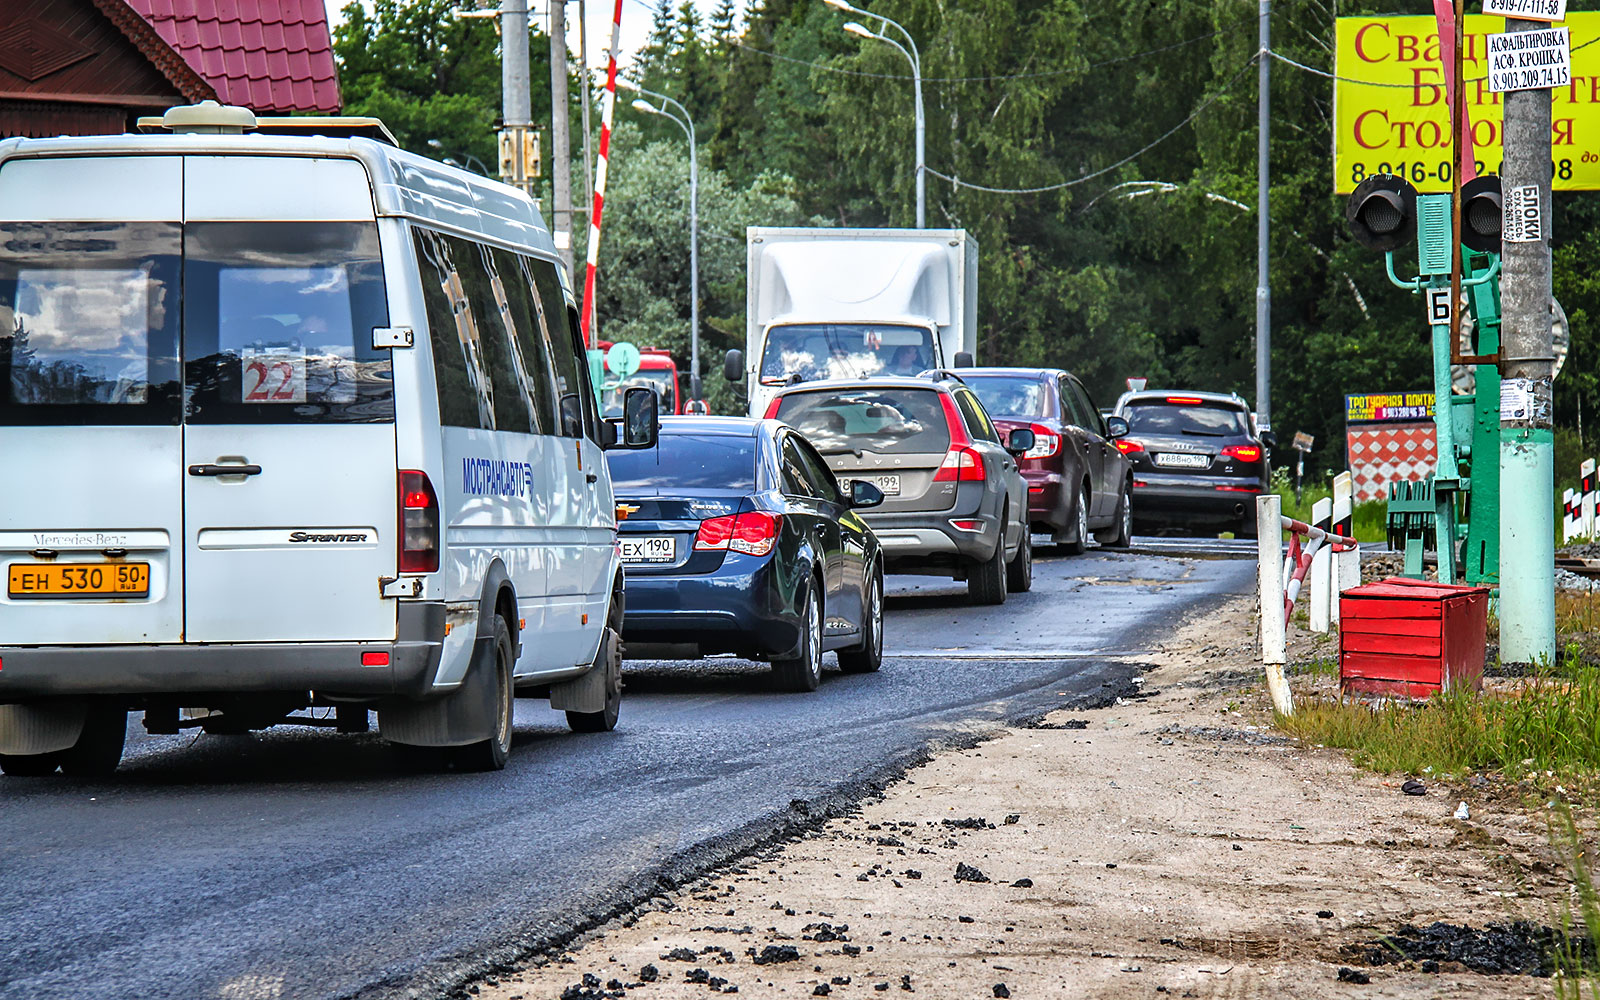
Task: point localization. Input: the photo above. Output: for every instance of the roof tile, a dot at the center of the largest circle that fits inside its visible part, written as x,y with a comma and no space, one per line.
271,55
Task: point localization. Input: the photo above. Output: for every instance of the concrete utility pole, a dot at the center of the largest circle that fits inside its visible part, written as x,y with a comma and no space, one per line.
560,132
686,123
1527,527
518,159
1264,224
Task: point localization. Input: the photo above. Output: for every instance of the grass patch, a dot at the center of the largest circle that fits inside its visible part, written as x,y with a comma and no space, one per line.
1551,724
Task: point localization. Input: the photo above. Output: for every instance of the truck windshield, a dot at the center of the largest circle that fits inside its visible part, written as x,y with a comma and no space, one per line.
659,379
804,352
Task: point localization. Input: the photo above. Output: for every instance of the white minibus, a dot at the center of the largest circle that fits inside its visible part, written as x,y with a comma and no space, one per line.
292,422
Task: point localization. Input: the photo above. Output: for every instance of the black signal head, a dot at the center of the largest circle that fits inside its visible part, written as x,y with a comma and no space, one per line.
1382,212
1482,211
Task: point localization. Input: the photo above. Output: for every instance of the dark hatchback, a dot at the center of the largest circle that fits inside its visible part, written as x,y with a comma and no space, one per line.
1079,482
736,539
1197,464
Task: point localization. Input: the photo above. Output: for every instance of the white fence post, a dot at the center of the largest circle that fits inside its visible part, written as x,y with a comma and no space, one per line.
1269,572
1346,565
1321,567
1586,472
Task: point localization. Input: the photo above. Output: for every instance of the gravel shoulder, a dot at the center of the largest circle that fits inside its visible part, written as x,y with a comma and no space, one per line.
1168,845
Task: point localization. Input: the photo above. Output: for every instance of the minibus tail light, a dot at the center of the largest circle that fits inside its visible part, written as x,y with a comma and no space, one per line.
419,524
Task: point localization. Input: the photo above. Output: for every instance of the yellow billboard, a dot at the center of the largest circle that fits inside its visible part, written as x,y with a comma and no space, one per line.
1390,115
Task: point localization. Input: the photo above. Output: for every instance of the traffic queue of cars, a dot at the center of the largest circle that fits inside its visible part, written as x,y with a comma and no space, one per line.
770,537
359,464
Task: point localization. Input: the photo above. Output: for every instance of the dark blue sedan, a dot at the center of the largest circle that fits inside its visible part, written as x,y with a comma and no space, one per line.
736,539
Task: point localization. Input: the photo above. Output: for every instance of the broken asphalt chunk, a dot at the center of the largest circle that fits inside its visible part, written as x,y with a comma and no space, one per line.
967,873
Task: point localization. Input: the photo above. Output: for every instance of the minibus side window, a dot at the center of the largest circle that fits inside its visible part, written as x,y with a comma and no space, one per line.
277,323
532,368
509,404
570,361
465,393
89,323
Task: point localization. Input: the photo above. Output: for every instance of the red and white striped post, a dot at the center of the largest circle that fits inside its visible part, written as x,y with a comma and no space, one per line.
607,108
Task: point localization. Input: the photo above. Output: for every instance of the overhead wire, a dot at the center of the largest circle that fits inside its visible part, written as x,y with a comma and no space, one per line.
1169,133
1000,78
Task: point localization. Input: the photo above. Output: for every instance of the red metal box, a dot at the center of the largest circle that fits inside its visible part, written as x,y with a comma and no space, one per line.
1411,637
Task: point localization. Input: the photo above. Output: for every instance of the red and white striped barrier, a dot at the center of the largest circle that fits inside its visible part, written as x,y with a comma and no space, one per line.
1280,578
608,107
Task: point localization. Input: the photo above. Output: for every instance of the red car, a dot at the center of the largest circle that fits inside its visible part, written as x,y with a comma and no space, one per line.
1079,483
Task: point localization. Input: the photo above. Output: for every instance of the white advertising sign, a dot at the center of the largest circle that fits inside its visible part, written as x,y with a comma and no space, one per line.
1523,221
1529,60
1528,10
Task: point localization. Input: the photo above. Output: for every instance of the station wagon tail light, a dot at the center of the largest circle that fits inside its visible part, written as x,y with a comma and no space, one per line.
1185,400
419,524
961,465
1243,452
772,407
1046,442
966,524
1128,446
753,533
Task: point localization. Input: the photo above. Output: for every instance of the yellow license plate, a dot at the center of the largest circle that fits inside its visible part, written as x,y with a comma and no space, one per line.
51,580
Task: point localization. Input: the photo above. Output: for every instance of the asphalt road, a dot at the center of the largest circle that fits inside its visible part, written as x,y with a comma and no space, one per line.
300,863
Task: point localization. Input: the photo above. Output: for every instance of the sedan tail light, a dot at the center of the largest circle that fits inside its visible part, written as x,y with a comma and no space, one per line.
1046,442
419,524
1243,452
753,533
961,465
1128,446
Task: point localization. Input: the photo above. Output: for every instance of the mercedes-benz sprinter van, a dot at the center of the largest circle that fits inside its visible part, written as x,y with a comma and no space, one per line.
289,422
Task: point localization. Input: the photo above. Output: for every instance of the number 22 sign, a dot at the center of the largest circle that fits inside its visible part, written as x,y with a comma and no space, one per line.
272,375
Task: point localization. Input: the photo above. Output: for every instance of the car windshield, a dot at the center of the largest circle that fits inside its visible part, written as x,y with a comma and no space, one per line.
682,462
1187,418
1008,397
810,351
659,379
882,421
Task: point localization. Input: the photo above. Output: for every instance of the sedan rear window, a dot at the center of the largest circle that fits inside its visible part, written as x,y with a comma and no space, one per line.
1187,418
1009,397
882,421
681,462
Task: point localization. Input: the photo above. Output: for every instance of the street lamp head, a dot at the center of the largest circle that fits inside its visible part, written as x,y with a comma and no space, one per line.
856,28
645,106
435,144
625,84
451,161
840,5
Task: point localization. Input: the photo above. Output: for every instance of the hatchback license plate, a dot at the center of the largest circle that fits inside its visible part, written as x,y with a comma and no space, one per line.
889,486
38,580
1180,461
649,549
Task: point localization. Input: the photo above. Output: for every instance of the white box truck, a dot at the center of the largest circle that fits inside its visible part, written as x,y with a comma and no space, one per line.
851,303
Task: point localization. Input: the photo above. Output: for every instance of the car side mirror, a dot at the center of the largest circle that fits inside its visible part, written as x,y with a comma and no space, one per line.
963,359
863,495
608,432
1019,441
1269,439
733,365
640,423
1117,427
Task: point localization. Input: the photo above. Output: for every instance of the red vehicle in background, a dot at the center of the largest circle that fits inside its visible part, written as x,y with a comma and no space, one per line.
656,371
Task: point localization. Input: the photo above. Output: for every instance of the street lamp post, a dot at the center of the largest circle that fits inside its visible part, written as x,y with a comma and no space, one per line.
687,124
914,57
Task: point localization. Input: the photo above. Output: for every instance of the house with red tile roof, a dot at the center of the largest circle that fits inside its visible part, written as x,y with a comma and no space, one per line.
90,67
